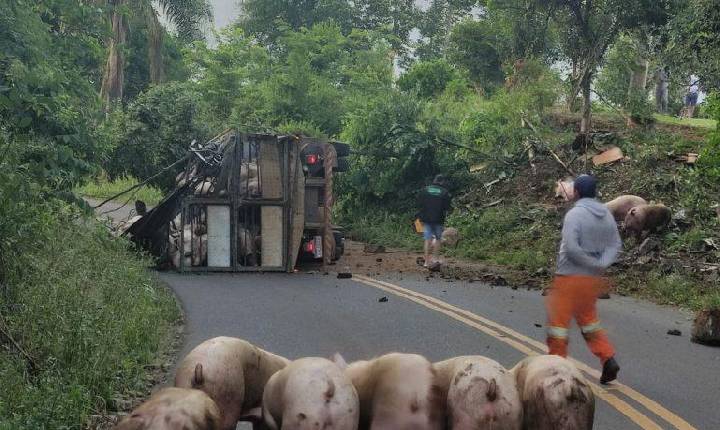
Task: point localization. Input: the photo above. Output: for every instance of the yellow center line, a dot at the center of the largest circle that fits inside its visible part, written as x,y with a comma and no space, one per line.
501,333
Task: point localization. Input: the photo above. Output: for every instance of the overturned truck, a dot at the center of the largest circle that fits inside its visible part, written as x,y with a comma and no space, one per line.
248,202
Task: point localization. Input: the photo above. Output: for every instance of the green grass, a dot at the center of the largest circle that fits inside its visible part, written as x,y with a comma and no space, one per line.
91,315
670,289
385,229
510,236
102,188
688,122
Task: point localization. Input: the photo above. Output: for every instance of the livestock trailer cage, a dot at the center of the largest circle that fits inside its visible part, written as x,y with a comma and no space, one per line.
240,205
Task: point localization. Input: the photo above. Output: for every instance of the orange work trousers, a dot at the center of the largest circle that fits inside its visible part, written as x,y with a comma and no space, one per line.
576,296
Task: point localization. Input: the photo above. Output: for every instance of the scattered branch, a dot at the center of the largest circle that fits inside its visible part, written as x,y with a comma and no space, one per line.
143,183
547,147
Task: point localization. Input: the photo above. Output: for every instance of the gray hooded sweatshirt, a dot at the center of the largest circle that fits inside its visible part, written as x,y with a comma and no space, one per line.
590,240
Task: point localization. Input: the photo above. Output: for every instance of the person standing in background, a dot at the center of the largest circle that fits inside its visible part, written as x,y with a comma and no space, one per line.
434,203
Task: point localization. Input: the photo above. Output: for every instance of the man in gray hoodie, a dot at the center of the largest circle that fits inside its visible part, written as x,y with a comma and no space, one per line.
590,244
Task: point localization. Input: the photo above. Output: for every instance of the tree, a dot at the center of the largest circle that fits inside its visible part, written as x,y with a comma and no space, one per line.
437,22
268,20
472,47
188,16
694,42
49,63
154,131
428,78
588,27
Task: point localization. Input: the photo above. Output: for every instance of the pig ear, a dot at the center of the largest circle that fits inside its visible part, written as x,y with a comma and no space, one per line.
339,361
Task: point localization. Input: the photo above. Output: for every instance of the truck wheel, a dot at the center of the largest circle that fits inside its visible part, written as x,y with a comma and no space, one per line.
339,245
342,149
343,165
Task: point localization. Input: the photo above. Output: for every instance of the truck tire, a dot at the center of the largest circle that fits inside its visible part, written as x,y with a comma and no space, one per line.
342,149
343,165
339,245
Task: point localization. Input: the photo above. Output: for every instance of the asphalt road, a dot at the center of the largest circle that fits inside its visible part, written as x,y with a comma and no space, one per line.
666,382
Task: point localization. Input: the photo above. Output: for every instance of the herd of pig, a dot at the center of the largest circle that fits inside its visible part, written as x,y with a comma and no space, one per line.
635,213
225,380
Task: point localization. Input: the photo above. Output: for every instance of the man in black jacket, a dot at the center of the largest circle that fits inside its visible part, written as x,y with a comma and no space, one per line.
434,202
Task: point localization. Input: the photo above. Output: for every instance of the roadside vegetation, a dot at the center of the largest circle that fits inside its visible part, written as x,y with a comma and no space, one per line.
103,90
103,188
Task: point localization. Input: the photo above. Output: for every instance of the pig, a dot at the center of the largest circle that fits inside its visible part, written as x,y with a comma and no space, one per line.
398,392
174,409
620,206
480,394
309,394
199,250
554,394
204,188
565,190
247,247
450,237
652,218
233,373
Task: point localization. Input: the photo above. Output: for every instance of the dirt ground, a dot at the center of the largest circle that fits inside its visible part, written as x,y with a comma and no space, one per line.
370,261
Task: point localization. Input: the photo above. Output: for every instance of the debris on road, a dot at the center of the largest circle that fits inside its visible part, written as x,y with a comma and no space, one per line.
345,274
706,327
374,249
674,332
383,299
610,156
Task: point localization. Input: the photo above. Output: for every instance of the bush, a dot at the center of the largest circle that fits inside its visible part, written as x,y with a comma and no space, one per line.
91,316
154,131
80,303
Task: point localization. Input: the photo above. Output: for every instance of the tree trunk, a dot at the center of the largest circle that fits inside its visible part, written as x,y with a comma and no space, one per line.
638,78
585,124
113,76
155,44
661,91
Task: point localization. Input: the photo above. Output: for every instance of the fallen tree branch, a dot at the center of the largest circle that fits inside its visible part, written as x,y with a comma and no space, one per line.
143,183
548,149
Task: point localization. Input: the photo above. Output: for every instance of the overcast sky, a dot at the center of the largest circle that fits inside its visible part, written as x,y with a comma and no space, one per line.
227,10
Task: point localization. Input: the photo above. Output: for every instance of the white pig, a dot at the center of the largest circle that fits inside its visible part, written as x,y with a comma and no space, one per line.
232,372
480,394
174,409
398,392
309,394
554,393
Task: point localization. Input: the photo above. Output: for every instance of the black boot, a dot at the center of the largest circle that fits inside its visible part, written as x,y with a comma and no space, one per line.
610,371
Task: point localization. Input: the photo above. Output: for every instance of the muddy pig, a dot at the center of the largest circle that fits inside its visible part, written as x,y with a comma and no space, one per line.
620,206
174,409
309,394
450,237
233,373
652,218
398,392
480,394
554,394
565,189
